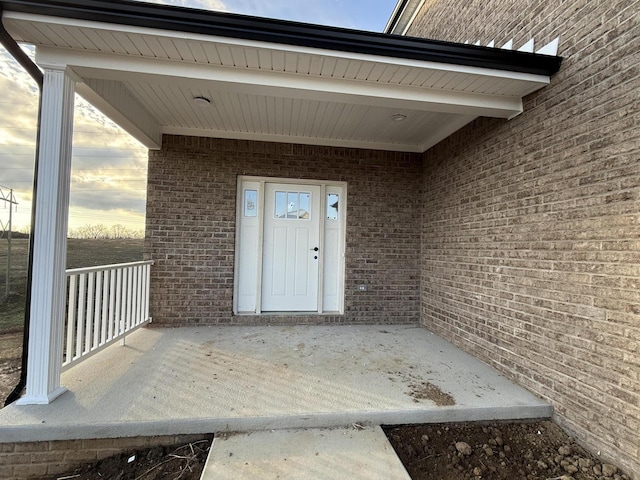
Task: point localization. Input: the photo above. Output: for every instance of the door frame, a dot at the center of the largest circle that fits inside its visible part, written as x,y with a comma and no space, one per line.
247,278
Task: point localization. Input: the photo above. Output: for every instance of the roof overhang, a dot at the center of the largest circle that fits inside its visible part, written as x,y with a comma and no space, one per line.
273,80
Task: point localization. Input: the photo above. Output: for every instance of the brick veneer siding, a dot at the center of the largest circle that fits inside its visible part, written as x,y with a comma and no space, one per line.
531,231
21,461
191,211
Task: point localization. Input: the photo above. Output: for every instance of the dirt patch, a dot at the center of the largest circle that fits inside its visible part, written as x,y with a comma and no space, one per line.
461,451
419,388
10,361
428,391
167,463
497,451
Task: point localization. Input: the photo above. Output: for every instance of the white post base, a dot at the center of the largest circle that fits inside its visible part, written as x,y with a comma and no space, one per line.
41,399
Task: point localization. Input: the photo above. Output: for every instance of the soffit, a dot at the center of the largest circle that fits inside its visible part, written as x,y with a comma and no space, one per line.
146,78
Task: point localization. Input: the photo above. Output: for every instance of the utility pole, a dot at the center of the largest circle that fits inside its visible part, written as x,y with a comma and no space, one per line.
6,195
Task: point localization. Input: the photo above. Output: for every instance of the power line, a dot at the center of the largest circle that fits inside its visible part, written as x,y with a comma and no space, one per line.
6,195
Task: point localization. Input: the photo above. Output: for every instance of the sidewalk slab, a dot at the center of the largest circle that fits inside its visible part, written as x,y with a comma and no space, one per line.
330,454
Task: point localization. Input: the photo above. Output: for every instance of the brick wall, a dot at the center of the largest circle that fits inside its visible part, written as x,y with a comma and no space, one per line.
47,459
191,227
531,231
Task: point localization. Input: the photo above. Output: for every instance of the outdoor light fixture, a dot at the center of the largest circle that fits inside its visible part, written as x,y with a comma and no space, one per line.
202,101
398,117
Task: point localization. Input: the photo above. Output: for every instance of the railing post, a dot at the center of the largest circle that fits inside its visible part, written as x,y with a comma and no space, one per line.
118,310
71,319
81,310
147,289
96,310
88,308
105,306
112,303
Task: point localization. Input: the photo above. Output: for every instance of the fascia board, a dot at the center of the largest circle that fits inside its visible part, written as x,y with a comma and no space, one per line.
284,32
208,39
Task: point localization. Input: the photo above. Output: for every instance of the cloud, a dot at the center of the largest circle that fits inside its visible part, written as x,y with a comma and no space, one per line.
122,200
79,217
108,179
12,70
18,106
108,165
108,183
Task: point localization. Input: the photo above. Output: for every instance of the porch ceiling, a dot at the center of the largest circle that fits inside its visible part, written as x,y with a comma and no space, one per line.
145,78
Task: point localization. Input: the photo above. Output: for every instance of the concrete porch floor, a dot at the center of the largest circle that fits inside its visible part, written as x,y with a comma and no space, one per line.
226,379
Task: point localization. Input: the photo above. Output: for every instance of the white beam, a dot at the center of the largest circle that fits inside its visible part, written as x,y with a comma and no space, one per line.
243,80
48,290
114,100
444,130
268,137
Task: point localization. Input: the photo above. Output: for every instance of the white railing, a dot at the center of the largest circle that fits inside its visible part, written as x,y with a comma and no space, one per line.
104,304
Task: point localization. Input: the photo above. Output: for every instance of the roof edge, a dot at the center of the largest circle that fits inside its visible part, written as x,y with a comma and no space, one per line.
396,15
246,27
403,16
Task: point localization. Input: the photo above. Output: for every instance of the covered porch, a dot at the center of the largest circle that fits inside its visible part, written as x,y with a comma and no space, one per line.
224,379
216,96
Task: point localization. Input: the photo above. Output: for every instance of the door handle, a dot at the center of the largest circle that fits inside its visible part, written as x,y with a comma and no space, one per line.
314,249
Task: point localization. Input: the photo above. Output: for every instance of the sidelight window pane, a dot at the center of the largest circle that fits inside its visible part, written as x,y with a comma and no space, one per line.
250,203
333,200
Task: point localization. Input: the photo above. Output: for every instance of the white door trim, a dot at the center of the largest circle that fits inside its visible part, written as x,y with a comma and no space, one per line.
250,239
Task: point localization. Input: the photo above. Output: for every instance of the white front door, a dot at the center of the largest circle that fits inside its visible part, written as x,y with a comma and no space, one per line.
291,256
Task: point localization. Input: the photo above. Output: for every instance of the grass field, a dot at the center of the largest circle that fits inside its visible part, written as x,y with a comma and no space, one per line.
80,253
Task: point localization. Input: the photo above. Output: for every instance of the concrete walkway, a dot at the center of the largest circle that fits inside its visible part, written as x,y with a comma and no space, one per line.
230,379
328,454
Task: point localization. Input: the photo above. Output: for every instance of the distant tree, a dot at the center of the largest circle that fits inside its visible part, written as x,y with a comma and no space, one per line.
120,231
14,234
100,231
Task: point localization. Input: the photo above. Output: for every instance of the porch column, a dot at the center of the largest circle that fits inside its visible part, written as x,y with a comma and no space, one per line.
48,289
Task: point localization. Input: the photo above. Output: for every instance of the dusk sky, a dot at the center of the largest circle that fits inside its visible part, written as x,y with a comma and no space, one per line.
108,184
